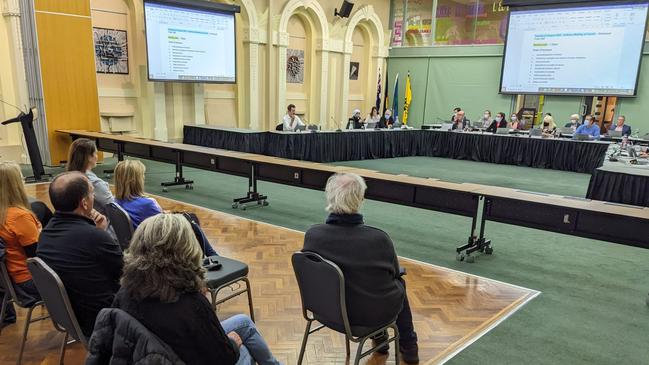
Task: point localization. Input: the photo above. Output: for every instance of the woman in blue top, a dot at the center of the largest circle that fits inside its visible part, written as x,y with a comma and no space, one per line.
129,191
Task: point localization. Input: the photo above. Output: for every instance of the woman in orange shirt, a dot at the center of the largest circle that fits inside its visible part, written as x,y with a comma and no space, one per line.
19,229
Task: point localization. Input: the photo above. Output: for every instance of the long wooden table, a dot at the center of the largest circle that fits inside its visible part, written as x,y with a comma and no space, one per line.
573,216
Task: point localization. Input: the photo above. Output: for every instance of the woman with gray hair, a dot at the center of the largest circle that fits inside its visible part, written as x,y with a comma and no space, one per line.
355,122
163,287
374,289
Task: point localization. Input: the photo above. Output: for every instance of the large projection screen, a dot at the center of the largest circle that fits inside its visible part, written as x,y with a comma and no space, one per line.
591,49
189,42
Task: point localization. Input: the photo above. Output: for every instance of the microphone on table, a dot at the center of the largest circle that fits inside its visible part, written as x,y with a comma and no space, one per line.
338,123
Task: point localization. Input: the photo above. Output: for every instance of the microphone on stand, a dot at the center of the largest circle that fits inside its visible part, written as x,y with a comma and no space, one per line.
338,123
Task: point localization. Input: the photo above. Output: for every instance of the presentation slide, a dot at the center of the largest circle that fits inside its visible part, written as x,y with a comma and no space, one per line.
185,44
593,50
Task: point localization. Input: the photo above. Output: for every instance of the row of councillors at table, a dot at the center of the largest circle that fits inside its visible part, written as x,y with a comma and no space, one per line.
292,122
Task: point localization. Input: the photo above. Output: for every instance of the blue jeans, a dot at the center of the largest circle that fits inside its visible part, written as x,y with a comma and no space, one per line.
254,348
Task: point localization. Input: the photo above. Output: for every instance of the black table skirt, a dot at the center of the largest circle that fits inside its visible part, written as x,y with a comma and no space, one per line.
364,145
619,187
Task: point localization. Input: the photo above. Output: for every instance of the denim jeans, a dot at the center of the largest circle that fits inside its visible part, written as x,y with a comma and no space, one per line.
26,292
254,348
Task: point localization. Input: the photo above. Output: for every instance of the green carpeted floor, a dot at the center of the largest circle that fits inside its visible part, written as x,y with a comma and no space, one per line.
592,308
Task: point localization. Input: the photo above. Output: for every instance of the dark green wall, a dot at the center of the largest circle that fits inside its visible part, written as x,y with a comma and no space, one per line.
469,76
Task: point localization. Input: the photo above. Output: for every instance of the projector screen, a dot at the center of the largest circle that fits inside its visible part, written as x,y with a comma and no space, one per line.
575,50
190,42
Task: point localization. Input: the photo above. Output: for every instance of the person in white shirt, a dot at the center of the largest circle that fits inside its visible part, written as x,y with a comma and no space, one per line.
374,118
291,121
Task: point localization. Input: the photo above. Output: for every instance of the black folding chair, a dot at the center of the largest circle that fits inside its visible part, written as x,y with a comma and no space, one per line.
322,289
9,297
121,223
56,299
280,127
41,211
230,273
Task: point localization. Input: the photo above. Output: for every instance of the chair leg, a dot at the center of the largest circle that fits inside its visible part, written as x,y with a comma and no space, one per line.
63,345
359,351
249,290
396,344
28,321
304,340
3,309
347,346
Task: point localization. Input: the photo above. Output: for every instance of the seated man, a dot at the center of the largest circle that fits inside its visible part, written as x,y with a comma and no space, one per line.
589,127
386,120
461,123
291,120
77,247
620,126
374,289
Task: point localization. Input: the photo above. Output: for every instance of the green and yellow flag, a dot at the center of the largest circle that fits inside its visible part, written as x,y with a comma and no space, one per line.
408,99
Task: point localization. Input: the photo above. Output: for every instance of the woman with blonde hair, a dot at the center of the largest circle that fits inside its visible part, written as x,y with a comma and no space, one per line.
82,157
129,191
163,287
548,126
19,229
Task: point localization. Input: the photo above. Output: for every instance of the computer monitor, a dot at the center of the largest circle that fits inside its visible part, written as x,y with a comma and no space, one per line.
447,126
502,131
536,132
614,133
582,137
566,130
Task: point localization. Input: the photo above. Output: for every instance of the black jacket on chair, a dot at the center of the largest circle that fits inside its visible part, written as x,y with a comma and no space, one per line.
366,256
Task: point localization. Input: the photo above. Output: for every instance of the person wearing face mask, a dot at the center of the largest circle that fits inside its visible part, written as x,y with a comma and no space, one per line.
461,123
499,122
548,126
589,128
485,121
515,123
355,121
574,122
387,120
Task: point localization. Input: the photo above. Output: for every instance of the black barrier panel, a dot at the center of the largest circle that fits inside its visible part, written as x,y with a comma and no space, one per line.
315,179
449,201
199,160
137,150
163,154
614,228
390,191
106,145
233,166
280,174
535,215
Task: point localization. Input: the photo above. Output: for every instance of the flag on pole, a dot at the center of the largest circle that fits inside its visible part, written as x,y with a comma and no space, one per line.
395,100
378,94
407,100
386,98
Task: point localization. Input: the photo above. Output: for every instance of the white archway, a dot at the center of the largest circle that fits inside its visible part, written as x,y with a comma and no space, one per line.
366,17
320,39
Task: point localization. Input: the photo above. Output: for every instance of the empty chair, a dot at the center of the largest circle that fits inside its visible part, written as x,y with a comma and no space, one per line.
121,223
57,302
229,272
41,211
10,296
322,290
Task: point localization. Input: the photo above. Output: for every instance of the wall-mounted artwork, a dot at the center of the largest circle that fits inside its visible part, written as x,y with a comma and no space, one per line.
111,51
295,66
353,70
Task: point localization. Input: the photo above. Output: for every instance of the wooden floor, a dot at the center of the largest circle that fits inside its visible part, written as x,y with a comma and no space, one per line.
450,309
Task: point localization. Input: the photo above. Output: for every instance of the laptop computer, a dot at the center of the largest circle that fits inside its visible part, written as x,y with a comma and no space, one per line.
582,137
371,125
614,133
502,130
536,132
447,126
566,130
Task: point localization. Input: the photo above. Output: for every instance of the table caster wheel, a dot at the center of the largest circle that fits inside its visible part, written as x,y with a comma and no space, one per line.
459,257
243,207
470,259
235,205
164,190
265,203
489,250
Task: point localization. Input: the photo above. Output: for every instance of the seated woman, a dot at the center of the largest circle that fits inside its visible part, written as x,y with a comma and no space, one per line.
82,157
515,123
499,122
549,128
19,229
163,287
129,192
373,119
355,122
